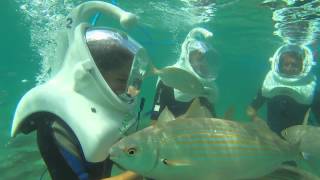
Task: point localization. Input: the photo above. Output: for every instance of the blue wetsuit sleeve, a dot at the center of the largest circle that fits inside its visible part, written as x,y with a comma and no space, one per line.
75,164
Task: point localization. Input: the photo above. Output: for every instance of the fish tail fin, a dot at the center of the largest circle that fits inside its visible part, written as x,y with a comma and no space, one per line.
151,70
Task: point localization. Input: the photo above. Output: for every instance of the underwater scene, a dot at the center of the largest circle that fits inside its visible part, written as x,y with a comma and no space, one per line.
162,89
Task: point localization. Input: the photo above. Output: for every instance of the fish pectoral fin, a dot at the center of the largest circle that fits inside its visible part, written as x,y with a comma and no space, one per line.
155,70
176,162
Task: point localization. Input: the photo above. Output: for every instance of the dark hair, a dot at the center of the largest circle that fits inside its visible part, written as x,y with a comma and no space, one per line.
109,54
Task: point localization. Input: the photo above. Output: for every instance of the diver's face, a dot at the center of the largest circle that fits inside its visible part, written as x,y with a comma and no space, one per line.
290,65
199,63
117,78
114,64
195,56
196,59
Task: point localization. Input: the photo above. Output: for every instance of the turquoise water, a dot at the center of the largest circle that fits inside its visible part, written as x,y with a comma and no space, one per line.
19,62
243,36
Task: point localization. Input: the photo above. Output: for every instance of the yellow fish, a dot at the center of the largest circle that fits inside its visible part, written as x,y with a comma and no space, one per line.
197,146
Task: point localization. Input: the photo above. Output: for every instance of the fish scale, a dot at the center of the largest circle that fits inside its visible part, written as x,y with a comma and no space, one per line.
219,143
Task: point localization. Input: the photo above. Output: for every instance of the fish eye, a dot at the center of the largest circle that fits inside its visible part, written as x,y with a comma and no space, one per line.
131,151
164,161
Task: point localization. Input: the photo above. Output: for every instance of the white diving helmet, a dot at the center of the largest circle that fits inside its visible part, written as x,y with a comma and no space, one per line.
94,89
301,54
201,59
291,74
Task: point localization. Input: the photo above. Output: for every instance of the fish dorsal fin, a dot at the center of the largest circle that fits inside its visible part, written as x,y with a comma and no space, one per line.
165,116
306,117
196,110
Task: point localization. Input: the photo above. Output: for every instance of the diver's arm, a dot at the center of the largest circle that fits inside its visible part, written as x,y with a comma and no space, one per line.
128,175
255,105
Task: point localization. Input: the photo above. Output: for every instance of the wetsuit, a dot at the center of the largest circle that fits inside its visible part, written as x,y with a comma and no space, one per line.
63,155
283,111
165,97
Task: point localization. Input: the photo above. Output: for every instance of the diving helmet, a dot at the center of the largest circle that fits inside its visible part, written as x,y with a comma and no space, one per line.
95,87
292,62
201,59
291,74
198,56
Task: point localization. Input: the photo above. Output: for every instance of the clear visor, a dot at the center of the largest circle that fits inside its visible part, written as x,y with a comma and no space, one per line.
203,60
119,60
290,61
138,71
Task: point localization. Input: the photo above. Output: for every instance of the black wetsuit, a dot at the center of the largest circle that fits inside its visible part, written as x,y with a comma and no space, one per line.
283,111
63,164
165,97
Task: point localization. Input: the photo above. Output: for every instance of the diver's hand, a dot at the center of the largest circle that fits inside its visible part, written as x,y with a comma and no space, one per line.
153,122
251,112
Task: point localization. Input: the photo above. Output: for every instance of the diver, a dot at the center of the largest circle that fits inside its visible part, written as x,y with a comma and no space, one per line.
198,58
89,101
289,88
